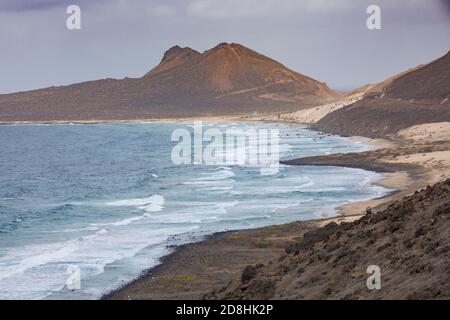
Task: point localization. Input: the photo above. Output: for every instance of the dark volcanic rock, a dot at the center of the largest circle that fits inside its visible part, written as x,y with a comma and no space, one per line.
409,241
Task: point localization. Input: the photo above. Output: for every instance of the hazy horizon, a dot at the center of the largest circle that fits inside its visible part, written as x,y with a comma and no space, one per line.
326,40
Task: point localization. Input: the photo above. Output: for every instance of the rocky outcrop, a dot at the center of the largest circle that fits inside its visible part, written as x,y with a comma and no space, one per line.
409,241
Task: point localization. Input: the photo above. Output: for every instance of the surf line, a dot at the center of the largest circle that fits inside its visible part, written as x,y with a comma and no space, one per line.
236,146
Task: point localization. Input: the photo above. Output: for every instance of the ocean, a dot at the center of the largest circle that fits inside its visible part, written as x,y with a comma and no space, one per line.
86,208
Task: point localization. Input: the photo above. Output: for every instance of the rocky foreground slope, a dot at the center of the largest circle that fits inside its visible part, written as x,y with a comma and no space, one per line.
409,241
229,79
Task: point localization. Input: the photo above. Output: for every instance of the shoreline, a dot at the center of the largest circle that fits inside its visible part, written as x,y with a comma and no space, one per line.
133,121
409,161
168,280
164,281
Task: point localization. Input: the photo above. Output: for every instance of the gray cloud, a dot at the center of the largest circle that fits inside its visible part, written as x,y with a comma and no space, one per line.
326,39
27,5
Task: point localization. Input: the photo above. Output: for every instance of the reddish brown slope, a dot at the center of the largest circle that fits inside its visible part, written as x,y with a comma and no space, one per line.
430,83
229,69
419,96
228,79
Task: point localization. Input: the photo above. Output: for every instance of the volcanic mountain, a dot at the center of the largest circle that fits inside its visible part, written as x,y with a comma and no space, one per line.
419,95
229,79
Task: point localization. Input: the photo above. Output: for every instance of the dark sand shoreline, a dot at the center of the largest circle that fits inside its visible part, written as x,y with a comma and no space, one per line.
191,282
162,261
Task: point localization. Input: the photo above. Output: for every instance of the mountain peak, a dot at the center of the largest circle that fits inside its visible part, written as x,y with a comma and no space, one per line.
228,79
172,58
226,45
222,44
177,51
231,69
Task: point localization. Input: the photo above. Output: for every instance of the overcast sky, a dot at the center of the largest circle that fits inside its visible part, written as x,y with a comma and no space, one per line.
325,39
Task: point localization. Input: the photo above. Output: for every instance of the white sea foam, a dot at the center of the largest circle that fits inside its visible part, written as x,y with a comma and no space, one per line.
156,200
102,231
36,271
193,212
221,188
217,175
123,222
114,240
151,204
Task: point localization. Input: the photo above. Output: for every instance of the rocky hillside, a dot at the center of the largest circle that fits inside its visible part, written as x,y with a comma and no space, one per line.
420,95
229,79
409,241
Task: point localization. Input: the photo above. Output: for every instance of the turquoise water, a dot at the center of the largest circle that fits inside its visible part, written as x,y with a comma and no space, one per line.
107,200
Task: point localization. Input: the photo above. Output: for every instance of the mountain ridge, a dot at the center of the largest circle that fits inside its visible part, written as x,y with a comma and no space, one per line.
417,96
229,79
385,85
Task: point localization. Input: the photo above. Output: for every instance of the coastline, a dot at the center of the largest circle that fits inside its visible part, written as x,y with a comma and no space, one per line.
113,121
194,270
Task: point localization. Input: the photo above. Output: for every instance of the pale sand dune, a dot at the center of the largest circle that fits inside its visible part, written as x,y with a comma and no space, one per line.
312,115
426,132
437,163
375,143
437,159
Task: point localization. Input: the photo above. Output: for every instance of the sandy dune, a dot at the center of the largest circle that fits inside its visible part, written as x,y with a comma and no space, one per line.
312,115
437,162
426,132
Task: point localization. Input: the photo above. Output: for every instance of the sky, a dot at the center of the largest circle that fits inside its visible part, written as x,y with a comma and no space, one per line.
325,39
